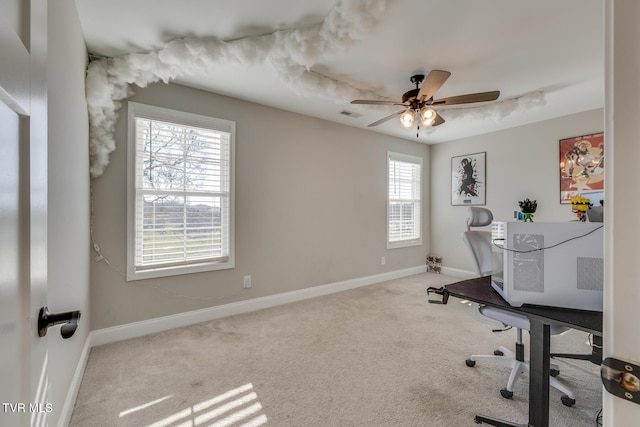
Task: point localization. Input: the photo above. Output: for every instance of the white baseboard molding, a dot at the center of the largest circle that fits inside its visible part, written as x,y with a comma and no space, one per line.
463,274
145,327
74,387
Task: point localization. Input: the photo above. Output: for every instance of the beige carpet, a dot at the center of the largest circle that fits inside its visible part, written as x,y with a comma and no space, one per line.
380,355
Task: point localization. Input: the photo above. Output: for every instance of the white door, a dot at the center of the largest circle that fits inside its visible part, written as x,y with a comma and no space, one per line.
23,212
622,204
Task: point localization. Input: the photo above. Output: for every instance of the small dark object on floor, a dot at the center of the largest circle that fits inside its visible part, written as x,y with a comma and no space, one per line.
440,291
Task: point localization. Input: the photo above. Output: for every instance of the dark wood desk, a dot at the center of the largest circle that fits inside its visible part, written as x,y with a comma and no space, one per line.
479,290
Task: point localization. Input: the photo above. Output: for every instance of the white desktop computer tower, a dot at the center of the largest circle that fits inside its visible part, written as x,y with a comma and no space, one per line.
557,264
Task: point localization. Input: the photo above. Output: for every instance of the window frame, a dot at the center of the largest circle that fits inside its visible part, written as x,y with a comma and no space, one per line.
137,110
405,158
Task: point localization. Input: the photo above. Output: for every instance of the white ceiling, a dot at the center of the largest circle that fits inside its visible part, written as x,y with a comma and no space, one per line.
515,46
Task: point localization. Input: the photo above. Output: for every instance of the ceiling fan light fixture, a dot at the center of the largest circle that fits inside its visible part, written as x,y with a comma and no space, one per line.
427,116
417,102
407,118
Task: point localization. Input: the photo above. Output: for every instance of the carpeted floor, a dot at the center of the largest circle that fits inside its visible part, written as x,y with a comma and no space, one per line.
380,355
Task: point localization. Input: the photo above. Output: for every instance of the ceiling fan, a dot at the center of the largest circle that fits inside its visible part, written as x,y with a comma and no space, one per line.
418,101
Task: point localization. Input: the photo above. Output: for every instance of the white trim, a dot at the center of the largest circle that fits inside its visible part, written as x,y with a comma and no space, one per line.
145,327
76,381
463,274
137,110
402,243
403,157
406,158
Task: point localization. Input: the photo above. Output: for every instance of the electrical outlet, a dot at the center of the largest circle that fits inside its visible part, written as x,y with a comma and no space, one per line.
246,282
383,261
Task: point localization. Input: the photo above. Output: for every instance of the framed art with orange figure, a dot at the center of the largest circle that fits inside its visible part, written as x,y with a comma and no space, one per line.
582,167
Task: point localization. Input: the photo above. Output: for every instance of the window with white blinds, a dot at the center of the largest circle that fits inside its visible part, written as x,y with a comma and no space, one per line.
180,192
404,201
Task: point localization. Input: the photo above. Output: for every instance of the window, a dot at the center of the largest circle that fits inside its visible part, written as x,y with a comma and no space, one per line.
180,201
404,200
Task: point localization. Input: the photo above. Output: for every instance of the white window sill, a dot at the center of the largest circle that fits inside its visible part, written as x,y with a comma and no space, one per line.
404,244
178,270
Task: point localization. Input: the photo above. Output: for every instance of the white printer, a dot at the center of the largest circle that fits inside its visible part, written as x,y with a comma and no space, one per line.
556,264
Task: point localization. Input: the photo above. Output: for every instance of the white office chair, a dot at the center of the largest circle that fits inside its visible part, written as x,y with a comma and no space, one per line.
479,243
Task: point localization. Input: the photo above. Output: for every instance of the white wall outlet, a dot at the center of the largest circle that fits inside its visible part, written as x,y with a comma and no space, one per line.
383,260
246,281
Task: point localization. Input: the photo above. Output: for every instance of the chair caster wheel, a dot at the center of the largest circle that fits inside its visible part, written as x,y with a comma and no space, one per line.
508,394
498,353
554,372
567,401
470,363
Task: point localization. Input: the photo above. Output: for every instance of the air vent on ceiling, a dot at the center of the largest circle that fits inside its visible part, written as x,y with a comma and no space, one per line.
350,114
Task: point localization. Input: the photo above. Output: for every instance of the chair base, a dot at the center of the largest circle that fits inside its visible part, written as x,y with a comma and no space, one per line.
519,367
480,419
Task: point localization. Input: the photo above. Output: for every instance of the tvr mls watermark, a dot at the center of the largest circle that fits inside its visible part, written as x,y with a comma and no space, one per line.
19,407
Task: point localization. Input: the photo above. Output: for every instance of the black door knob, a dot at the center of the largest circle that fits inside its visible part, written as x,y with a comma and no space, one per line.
68,320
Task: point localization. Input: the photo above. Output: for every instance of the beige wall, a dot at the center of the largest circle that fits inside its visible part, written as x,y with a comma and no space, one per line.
310,210
68,196
521,162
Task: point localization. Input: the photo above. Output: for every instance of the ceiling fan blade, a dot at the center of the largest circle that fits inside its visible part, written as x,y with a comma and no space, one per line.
438,121
375,102
433,82
384,119
468,99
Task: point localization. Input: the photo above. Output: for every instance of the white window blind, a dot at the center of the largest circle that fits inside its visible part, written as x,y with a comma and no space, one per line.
182,196
404,209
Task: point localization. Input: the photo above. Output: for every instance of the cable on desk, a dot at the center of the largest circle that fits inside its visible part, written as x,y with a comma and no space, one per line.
546,247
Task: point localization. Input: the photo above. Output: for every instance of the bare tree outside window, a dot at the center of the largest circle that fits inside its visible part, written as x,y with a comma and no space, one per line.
182,192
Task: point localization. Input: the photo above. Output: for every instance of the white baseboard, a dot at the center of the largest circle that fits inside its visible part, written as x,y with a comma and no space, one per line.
74,387
463,274
145,327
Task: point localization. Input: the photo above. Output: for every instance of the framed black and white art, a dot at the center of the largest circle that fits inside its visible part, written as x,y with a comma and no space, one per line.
468,179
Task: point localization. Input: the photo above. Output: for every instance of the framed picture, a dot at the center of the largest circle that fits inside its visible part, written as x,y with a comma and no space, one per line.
582,167
468,185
